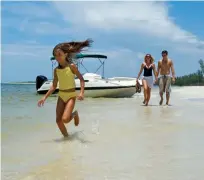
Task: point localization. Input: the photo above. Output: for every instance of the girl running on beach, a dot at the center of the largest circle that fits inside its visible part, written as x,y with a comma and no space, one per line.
65,74
147,80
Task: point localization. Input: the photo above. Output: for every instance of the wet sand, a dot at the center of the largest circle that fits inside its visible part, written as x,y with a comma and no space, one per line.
120,139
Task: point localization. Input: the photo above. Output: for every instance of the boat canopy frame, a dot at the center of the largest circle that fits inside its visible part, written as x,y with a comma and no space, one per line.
79,58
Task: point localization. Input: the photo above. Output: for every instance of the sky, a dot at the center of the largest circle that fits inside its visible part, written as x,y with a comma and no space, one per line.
124,31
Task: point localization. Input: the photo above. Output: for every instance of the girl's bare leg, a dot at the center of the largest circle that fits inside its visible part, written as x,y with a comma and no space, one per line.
68,115
148,95
59,112
145,90
75,115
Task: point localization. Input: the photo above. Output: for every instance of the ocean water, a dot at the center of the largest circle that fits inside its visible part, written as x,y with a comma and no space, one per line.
23,125
116,138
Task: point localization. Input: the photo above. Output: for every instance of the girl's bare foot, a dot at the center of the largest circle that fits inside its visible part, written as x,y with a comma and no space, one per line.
66,135
161,101
76,118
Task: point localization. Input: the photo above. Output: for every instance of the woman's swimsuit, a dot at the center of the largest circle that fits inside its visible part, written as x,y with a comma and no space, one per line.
66,80
148,75
147,71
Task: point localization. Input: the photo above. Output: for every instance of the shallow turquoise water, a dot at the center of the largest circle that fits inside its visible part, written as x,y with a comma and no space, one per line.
22,126
119,138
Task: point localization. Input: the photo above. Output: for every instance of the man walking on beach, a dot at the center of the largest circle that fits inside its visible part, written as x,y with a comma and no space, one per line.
165,65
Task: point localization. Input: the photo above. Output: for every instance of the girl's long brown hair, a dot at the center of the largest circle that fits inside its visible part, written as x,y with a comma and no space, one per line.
151,58
71,48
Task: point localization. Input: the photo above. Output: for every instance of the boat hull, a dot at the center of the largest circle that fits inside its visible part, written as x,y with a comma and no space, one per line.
106,92
95,86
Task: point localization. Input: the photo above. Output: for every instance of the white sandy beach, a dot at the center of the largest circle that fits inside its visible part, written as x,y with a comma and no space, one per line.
120,139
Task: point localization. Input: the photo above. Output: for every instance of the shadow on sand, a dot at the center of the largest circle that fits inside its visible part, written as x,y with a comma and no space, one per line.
156,105
149,105
79,136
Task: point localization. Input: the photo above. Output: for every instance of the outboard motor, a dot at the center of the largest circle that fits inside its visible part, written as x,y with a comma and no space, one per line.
40,80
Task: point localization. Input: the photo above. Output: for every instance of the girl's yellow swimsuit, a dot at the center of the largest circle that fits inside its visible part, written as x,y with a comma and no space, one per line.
66,80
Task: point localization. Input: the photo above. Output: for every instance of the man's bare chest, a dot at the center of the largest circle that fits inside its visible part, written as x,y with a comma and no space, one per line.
165,65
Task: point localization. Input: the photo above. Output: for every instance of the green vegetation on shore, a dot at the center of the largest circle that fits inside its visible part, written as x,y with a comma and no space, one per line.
193,79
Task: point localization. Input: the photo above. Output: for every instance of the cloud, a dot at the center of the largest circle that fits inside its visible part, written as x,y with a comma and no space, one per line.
25,61
35,18
124,60
147,18
120,61
33,50
37,10
116,53
22,51
124,31
44,28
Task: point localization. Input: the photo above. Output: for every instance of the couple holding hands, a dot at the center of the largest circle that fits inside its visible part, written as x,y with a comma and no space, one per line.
162,76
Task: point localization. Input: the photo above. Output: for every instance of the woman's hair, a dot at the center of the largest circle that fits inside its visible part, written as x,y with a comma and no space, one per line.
151,58
72,48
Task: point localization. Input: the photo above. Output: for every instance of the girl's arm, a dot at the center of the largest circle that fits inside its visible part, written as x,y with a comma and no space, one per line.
155,72
53,87
78,74
141,69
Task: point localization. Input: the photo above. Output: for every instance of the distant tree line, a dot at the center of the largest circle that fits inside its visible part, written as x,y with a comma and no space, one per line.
193,79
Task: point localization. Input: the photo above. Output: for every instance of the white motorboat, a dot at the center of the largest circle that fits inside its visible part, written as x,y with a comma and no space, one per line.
95,84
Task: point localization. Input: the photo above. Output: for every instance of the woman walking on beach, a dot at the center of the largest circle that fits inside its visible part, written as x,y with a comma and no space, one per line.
65,74
147,81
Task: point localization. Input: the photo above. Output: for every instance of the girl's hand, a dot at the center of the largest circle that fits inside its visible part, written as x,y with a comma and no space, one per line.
41,102
155,81
173,80
80,97
137,82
